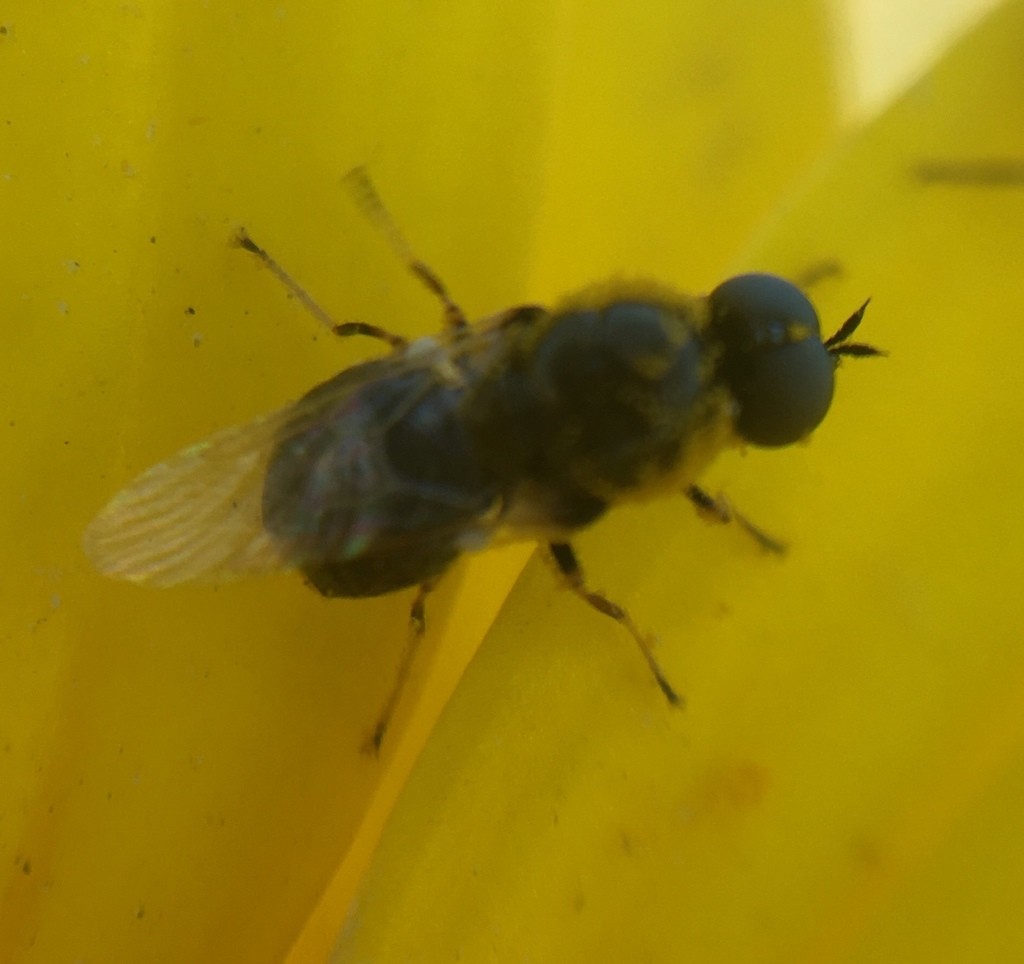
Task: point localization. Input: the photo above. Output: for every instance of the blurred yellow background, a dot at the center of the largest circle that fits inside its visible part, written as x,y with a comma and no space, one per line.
180,776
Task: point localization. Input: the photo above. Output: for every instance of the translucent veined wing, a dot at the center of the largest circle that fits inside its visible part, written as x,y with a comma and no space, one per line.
199,515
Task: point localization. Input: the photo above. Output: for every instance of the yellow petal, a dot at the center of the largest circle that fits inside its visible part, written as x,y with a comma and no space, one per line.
180,774
845,782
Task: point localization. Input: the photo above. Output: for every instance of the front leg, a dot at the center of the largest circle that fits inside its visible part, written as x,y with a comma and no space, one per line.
718,510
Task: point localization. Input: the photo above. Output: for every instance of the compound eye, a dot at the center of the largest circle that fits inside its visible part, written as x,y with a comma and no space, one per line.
773,359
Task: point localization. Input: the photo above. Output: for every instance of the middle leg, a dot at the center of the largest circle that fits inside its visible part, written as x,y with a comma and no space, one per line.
568,565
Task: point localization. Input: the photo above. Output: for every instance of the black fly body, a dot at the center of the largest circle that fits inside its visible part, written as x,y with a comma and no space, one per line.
530,424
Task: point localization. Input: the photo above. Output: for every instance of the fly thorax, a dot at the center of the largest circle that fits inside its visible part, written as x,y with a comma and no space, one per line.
606,400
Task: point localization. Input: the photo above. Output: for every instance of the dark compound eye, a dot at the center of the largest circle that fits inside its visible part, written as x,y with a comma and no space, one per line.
773,359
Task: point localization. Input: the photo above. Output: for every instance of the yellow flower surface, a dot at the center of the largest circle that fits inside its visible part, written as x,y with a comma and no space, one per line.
180,770
845,783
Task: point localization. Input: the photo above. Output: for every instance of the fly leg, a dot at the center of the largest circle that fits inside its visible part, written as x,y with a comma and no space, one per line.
417,627
346,328
718,510
361,187
568,565
244,241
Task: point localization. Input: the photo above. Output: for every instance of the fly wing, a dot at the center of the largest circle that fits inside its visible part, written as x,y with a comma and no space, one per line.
197,516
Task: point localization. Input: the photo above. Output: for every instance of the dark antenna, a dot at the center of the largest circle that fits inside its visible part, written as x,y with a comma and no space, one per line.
838,346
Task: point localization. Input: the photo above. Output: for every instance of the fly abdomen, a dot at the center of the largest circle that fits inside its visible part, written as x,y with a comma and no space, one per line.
372,493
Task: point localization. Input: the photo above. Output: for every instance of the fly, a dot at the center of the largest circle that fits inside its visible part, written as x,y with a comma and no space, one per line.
530,424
